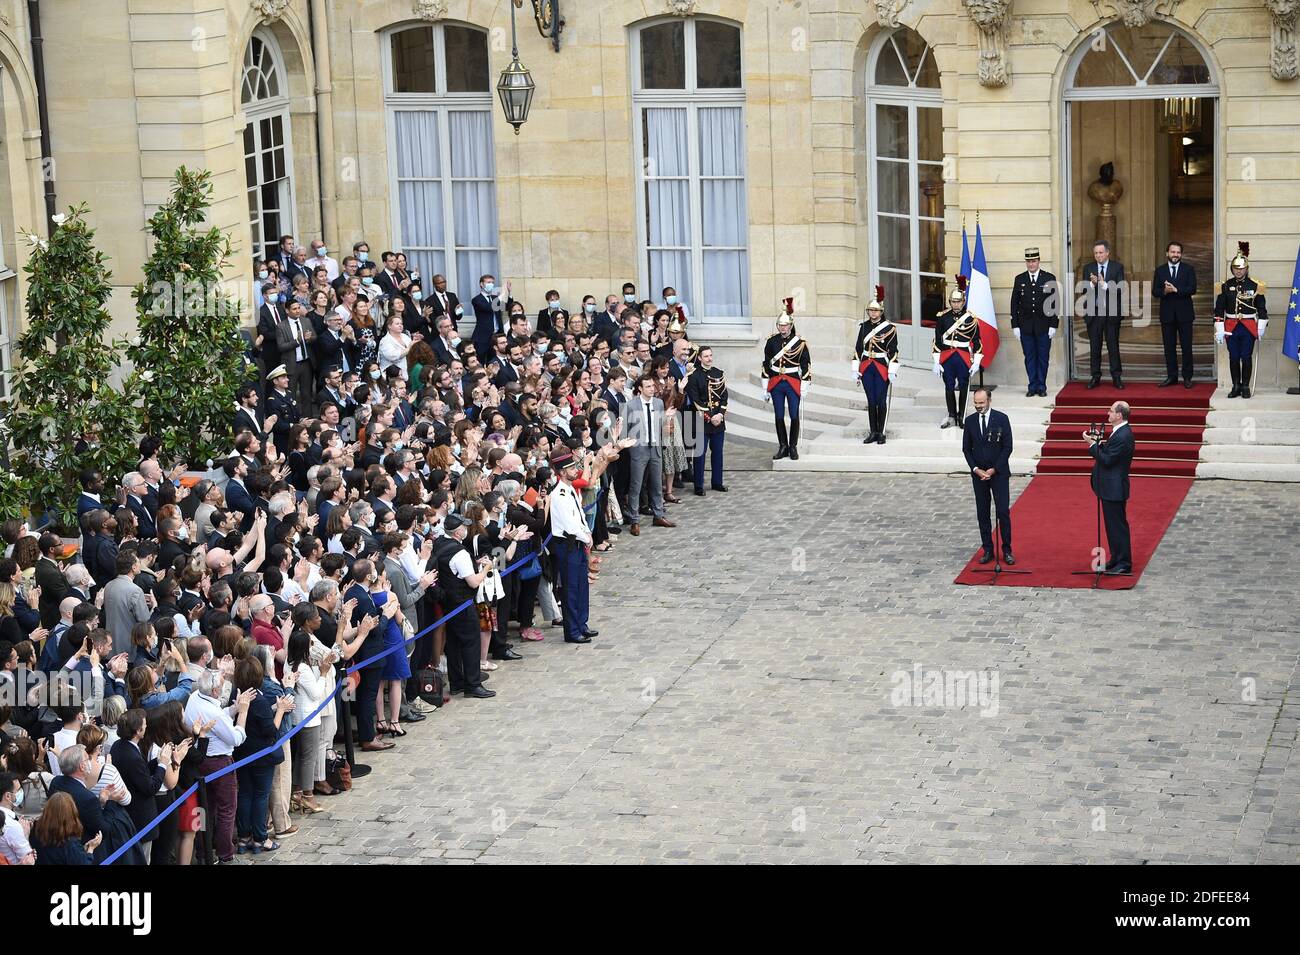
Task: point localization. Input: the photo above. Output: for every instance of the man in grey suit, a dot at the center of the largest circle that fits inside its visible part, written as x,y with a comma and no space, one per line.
125,604
643,421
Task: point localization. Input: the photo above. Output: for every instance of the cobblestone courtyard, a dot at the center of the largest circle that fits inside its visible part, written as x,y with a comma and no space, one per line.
742,700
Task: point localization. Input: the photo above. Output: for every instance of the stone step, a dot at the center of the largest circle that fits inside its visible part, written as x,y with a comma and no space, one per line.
1242,416
1251,453
1257,471
1260,437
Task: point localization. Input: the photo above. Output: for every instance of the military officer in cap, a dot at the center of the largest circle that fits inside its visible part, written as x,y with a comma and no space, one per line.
957,352
1035,311
875,364
570,538
1240,318
787,366
707,390
281,403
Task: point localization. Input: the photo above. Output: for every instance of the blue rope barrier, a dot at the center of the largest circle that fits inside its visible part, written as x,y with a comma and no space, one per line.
301,724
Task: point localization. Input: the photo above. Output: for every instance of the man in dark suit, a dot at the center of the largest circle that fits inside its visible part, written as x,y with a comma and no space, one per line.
246,415
1113,458
296,340
141,775
92,486
442,302
50,578
136,487
488,312
1175,284
1103,311
1035,315
269,318
281,403
237,497
986,443
335,347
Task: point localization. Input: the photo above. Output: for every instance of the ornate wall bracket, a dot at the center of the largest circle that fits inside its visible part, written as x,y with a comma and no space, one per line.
270,10
430,9
680,8
888,12
990,18
1282,61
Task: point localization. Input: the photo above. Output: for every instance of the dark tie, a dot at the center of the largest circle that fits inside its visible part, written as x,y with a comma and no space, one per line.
1173,273
983,425
649,425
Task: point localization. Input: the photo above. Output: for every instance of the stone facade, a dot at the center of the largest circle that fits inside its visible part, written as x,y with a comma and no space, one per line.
138,87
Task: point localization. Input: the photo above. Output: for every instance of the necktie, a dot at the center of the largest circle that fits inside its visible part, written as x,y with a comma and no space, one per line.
1103,271
1173,273
649,424
984,424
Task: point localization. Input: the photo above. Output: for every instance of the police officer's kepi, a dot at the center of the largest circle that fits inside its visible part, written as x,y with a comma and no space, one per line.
1031,253
562,458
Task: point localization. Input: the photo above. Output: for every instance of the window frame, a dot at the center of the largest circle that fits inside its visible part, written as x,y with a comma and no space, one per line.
442,105
912,98
693,99
272,108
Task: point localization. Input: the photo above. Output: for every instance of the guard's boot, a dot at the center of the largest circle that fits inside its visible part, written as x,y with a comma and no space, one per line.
871,431
961,406
783,444
1234,368
1247,366
880,425
794,440
950,398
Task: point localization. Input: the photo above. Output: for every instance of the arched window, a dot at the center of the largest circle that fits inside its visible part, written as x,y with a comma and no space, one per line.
905,192
690,145
1148,57
268,162
439,101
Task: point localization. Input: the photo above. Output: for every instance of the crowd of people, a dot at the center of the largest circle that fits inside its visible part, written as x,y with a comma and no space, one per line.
400,506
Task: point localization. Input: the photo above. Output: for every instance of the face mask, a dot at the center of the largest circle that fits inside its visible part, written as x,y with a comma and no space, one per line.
183,533
629,299
489,287
273,297
459,311
397,445
417,296
363,256
18,798
553,304
367,280
321,252
263,274
671,300
590,308
375,374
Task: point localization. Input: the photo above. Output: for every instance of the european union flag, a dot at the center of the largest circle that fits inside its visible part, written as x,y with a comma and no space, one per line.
1291,333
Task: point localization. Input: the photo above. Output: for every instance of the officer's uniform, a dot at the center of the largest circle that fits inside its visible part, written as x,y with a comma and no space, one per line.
957,352
1240,318
284,406
707,390
875,356
786,366
570,537
1035,309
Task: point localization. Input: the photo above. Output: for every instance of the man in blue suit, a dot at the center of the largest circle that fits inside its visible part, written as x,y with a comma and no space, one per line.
1110,470
986,443
488,311
237,497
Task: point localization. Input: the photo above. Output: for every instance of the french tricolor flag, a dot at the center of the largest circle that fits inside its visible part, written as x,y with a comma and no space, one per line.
979,293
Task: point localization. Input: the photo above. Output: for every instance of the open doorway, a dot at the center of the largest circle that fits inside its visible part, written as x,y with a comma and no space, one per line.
1140,100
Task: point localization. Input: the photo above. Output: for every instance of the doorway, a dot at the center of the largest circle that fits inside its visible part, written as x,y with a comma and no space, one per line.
1140,101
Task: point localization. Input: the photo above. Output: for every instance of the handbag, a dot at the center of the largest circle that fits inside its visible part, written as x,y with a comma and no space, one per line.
531,569
338,771
431,686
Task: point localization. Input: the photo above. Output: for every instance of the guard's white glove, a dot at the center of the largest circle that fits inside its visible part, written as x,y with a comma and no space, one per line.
767,396
893,371
1219,335
1262,324
1051,333
975,363
1016,332
938,368
853,370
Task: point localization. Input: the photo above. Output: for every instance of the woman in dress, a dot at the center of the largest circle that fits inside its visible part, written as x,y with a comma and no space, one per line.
671,391
366,331
396,666
395,345
299,441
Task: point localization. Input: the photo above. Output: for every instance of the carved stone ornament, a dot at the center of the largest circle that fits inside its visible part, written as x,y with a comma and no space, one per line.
1137,13
680,8
430,9
990,18
270,10
1282,61
888,11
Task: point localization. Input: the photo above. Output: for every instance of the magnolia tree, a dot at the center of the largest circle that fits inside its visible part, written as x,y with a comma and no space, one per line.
64,415
189,355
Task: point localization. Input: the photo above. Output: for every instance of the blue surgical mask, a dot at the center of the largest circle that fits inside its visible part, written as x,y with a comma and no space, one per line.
417,296
489,287
590,308
363,256
553,304
367,280
263,274
671,300
397,445
629,299
273,297
375,374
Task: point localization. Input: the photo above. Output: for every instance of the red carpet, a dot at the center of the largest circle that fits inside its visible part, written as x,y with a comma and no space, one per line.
1168,426
1054,531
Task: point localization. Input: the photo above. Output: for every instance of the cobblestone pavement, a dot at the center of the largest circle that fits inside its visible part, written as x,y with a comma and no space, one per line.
750,698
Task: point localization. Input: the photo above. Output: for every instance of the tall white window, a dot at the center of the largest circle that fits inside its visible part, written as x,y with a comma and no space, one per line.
439,101
905,194
9,309
690,144
268,164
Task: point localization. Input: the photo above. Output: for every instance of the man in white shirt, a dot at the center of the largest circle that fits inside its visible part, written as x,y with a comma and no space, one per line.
320,258
225,732
459,579
570,538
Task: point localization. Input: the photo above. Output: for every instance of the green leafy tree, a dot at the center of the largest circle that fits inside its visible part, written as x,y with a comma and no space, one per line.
62,391
189,356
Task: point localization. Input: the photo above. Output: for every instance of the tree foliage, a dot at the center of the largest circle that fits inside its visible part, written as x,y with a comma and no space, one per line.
189,356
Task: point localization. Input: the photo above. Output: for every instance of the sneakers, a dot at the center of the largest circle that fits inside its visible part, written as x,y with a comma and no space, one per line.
531,633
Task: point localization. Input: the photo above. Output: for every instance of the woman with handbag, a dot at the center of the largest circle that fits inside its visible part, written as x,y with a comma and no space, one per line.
527,509
396,667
